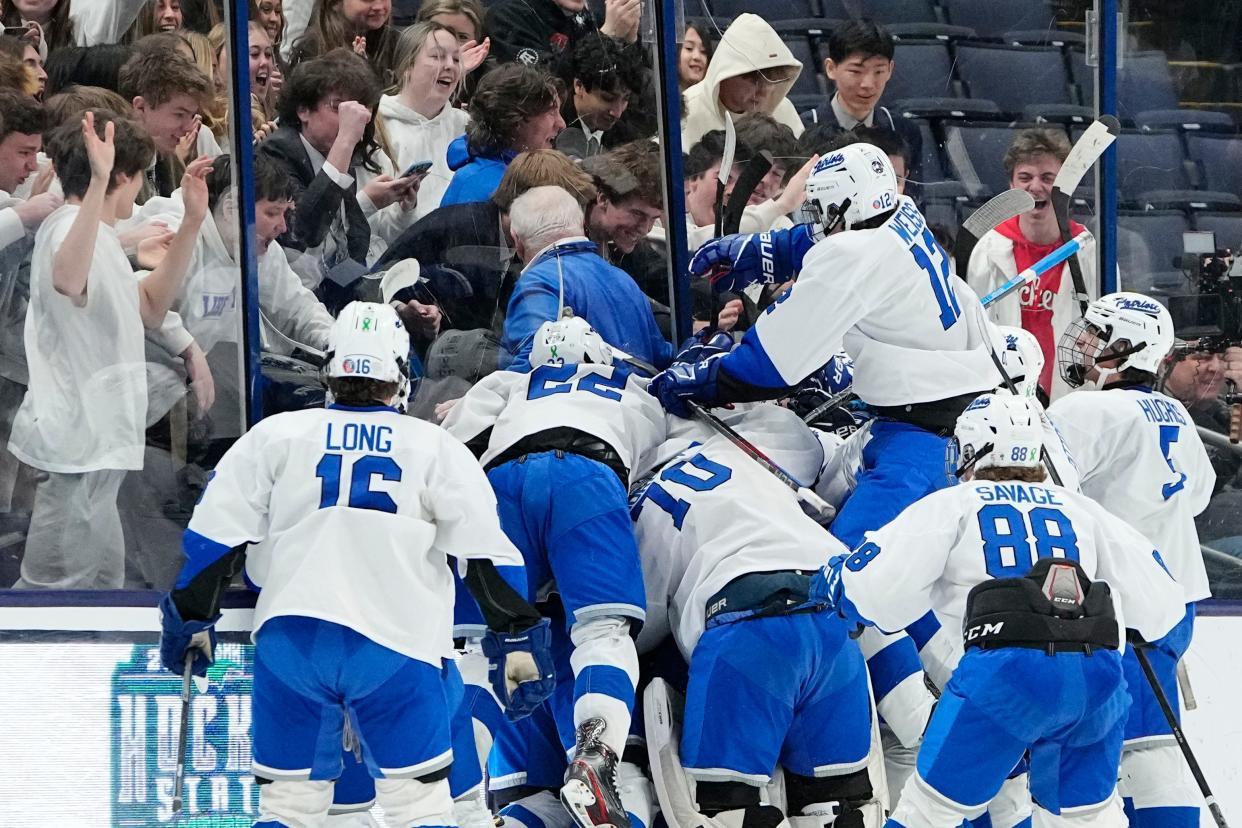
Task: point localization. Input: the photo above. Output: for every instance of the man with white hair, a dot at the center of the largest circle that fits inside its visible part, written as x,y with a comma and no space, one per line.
564,270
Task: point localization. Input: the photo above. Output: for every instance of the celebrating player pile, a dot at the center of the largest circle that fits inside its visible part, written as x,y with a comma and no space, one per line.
1008,561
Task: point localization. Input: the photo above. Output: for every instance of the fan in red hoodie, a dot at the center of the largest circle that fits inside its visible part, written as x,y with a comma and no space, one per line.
1046,308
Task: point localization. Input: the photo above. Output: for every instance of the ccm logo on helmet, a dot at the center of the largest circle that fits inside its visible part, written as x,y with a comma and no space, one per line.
834,160
356,365
1143,306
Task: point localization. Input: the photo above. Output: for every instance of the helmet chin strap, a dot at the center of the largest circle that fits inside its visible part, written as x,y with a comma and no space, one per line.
1103,374
970,464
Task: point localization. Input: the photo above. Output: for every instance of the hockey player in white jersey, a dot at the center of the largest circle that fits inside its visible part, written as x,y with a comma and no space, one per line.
1025,568
881,285
1140,457
560,445
351,513
773,680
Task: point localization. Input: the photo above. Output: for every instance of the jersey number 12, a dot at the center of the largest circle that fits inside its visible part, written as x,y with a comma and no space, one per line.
939,275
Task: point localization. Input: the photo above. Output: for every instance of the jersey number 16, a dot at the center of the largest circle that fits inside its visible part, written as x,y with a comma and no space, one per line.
361,472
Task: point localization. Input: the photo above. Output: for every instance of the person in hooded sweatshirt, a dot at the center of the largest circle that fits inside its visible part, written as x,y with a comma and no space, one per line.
515,108
420,120
751,71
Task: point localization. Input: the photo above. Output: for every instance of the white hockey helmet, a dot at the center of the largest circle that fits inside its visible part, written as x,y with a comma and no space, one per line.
368,341
996,429
569,340
859,173
1022,358
1139,321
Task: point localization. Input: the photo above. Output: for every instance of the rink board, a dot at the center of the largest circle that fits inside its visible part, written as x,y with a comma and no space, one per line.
89,720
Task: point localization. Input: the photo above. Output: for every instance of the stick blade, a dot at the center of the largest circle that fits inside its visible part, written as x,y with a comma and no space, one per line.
1086,151
998,209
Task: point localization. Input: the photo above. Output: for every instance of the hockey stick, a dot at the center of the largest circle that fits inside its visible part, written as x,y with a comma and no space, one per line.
1166,708
722,175
996,210
747,180
183,732
829,404
1085,152
822,509
1036,270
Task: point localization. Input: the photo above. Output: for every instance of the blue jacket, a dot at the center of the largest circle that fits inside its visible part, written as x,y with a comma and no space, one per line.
475,177
606,296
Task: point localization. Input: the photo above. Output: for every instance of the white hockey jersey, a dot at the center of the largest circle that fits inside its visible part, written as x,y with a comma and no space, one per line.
1140,457
934,552
914,330
599,400
351,514
712,514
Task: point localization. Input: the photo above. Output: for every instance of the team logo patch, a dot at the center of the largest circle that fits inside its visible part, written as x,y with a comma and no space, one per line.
834,160
558,41
528,56
980,402
1141,305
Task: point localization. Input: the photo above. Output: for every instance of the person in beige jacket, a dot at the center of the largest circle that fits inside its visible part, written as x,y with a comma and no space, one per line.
751,71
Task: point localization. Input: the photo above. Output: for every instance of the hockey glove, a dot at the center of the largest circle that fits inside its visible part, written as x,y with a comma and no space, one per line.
733,263
683,381
179,637
828,590
521,669
701,345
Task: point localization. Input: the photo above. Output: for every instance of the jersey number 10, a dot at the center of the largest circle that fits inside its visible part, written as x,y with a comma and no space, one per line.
361,496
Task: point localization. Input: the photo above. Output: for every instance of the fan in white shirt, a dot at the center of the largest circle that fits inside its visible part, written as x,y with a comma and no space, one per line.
420,120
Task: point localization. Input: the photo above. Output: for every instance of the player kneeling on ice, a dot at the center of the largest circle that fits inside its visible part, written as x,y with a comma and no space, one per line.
1013,561
774,679
351,513
560,445
1140,457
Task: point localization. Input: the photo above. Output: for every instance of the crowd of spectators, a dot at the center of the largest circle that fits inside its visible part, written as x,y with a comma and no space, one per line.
479,169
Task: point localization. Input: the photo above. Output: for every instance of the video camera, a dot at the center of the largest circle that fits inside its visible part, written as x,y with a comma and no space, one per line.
1212,316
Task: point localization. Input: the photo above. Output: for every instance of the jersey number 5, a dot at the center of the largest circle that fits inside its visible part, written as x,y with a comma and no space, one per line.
1007,539
1168,436
361,496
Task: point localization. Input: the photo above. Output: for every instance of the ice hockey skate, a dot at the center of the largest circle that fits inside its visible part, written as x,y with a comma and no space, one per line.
590,790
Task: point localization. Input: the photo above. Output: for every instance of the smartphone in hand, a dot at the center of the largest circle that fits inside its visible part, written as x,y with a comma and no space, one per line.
417,168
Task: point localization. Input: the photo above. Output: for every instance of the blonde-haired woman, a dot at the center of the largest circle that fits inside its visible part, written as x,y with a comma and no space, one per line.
419,119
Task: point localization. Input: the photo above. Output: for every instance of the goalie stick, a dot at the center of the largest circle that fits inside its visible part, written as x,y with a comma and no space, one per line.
1086,151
